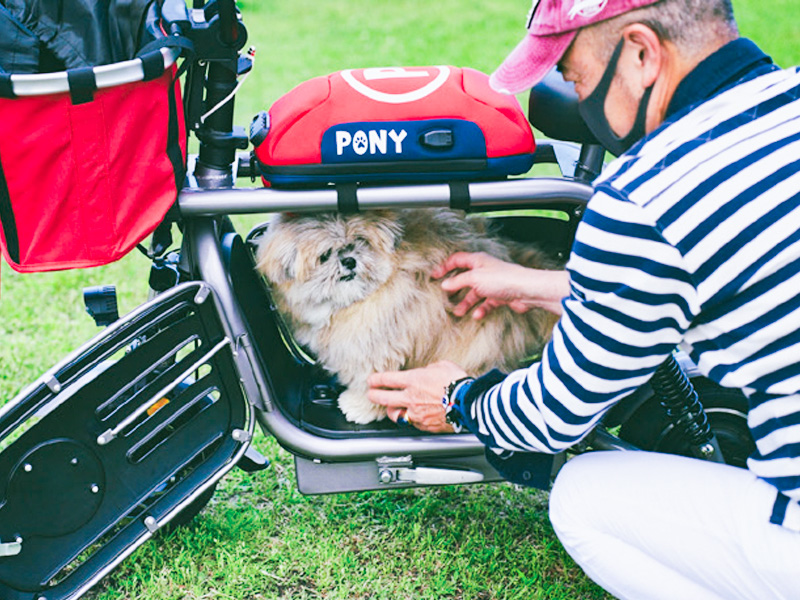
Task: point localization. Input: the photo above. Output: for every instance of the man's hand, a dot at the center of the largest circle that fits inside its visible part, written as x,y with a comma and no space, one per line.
416,394
493,282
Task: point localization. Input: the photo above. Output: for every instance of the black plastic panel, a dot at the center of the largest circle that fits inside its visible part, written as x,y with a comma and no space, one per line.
112,441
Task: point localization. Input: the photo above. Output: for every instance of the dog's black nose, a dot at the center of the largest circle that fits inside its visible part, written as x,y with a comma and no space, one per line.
348,262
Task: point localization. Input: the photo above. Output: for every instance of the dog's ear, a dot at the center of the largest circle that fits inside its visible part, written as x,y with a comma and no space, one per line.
386,230
277,254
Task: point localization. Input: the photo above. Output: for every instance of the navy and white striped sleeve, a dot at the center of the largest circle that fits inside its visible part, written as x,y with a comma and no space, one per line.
631,302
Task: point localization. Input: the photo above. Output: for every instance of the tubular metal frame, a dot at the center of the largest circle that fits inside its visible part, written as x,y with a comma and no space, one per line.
202,208
527,193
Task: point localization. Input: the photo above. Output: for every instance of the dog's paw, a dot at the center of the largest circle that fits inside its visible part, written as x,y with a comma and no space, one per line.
358,409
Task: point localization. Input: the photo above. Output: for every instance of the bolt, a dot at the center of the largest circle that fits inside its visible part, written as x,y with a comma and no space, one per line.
74,461
385,476
95,488
28,467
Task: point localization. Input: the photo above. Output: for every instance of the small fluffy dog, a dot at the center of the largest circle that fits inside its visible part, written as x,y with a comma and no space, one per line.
357,291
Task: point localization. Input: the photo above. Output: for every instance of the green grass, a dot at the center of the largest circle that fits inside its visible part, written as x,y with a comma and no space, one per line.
259,538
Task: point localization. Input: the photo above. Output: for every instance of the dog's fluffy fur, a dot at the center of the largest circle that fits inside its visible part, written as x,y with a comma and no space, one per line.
357,292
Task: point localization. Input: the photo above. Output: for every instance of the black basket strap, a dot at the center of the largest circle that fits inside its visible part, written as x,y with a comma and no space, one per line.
347,198
152,65
7,220
82,84
6,88
152,59
174,151
459,195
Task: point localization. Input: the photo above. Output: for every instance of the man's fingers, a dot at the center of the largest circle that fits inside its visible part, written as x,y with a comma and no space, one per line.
389,379
457,282
459,260
395,414
518,306
470,300
389,388
388,398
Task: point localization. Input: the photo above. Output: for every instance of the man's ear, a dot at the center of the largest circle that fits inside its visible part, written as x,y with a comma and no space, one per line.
648,51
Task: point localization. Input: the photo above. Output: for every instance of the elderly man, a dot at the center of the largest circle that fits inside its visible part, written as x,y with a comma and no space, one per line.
690,240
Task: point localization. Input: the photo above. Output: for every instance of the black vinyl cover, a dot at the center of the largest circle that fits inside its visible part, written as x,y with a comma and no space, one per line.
39,36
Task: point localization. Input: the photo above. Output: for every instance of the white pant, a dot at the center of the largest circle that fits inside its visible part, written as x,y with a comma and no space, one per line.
646,525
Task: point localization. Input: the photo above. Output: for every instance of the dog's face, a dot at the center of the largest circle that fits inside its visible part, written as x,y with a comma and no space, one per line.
323,263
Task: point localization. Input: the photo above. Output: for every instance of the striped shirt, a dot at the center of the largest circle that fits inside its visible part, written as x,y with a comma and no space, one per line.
692,239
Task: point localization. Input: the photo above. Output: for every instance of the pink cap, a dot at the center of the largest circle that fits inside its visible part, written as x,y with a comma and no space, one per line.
552,25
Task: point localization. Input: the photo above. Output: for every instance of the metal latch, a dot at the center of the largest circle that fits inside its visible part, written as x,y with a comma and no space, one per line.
401,470
11,548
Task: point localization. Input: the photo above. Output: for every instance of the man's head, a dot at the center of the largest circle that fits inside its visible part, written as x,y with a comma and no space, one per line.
625,57
691,25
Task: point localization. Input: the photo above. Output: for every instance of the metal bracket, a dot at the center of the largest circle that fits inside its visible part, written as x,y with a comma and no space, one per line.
202,294
151,524
53,384
401,470
565,154
240,435
11,548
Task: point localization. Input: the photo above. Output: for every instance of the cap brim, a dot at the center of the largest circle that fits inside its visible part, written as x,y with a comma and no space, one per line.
530,61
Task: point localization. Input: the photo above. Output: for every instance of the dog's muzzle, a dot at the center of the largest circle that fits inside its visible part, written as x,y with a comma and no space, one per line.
349,263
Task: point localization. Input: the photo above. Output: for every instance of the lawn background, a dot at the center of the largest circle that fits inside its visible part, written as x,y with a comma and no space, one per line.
259,538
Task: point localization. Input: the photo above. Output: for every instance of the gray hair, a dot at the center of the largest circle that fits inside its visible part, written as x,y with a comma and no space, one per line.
693,26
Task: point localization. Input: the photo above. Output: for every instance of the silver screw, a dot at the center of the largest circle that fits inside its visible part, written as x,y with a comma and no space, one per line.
95,488
28,467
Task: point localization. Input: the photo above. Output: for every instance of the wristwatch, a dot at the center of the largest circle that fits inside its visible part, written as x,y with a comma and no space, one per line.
451,391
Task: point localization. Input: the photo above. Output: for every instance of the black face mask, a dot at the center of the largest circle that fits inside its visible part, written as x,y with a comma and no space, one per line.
593,111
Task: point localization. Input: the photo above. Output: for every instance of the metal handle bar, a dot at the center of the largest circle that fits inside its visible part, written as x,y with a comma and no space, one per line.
513,193
106,76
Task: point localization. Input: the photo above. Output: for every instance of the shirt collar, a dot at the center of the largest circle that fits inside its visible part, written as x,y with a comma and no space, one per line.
736,61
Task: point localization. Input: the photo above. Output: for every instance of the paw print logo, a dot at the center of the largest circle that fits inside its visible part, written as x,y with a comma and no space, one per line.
360,143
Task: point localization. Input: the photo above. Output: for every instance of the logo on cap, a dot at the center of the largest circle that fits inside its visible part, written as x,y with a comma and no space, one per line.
586,8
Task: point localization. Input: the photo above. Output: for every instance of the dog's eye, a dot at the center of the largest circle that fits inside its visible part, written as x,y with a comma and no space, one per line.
325,256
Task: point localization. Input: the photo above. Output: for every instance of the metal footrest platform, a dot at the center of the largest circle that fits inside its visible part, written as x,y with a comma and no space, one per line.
114,442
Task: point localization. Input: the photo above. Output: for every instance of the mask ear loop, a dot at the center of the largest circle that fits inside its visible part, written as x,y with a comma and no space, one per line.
592,110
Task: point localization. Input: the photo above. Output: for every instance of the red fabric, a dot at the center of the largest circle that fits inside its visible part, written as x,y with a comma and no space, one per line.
87,182
325,101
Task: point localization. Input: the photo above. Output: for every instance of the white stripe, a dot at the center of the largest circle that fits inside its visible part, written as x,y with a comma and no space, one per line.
591,383
783,292
682,177
727,230
758,247
601,239
633,278
494,426
707,116
787,256
777,467
598,355
616,331
787,356
772,409
623,211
